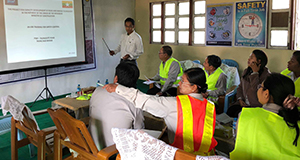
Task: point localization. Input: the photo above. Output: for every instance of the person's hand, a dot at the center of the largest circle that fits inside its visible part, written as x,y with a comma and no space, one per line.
205,95
297,101
290,102
242,103
159,93
126,56
110,87
255,66
112,53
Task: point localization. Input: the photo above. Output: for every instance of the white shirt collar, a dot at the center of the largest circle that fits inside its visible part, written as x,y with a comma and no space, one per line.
272,107
197,96
292,75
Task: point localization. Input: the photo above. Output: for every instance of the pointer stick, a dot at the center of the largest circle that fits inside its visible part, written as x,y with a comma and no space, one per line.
105,44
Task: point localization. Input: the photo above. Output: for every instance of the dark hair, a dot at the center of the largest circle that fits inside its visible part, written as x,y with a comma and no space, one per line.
168,50
260,55
129,20
296,54
197,76
214,61
128,74
280,87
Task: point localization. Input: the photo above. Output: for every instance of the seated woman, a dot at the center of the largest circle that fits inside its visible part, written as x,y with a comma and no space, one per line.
190,117
270,132
293,71
252,76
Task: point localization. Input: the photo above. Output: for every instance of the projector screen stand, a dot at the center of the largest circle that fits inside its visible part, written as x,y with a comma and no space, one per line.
46,89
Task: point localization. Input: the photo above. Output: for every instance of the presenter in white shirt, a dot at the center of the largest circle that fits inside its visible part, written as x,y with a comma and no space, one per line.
131,44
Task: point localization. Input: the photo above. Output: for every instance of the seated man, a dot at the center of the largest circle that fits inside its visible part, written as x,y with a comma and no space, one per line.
169,73
293,71
109,110
215,78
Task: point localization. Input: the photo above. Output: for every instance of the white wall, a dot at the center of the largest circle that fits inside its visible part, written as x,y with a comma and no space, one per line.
109,16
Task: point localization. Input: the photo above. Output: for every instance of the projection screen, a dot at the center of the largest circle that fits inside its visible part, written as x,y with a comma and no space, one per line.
38,33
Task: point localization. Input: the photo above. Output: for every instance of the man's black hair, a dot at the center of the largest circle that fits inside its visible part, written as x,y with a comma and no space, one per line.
214,61
168,50
129,20
127,74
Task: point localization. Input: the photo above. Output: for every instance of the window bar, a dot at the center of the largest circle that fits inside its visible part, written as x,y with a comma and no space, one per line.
162,22
291,45
150,28
191,22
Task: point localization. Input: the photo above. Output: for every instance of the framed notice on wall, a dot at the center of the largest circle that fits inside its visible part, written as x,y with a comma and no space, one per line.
219,25
250,24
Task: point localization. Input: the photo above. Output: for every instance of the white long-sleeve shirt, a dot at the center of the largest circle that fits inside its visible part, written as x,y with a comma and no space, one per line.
163,107
130,44
110,110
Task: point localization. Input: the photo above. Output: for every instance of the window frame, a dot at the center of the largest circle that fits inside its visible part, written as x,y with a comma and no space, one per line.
151,23
193,23
290,28
191,16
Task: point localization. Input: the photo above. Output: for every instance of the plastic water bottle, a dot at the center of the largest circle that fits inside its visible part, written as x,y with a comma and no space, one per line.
106,82
98,83
78,88
234,127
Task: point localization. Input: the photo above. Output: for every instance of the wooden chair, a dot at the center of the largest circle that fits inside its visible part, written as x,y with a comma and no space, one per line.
79,137
34,136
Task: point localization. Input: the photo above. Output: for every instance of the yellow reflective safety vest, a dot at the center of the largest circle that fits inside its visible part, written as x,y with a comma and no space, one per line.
164,71
264,135
297,82
212,79
195,126
211,82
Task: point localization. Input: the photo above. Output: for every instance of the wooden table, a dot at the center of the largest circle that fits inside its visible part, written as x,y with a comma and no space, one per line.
80,107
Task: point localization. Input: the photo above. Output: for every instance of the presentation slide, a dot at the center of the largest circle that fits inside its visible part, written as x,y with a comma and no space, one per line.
41,33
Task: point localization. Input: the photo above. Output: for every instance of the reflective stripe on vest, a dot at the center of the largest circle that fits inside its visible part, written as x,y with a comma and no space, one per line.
297,82
212,79
264,135
164,71
195,125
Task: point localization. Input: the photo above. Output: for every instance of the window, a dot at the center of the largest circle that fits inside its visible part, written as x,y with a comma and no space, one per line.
178,22
156,22
199,22
279,24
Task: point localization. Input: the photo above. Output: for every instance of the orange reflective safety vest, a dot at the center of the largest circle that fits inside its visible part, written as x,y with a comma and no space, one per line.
195,125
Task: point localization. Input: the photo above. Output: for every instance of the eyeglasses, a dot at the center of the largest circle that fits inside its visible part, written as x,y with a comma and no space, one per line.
181,80
191,84
160,53
260,86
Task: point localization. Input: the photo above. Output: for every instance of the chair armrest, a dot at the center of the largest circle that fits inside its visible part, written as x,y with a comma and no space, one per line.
227,96
49,130
221,100
35,113
118,157
107,152
180,154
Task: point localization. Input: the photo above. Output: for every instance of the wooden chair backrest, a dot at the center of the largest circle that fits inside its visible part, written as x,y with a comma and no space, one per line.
28,122
74,129
29,127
